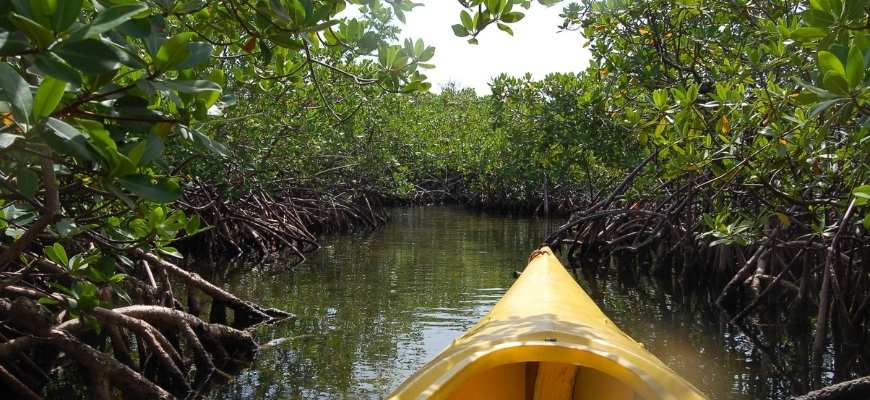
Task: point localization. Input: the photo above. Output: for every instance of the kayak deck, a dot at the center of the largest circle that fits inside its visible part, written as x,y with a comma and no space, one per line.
545,339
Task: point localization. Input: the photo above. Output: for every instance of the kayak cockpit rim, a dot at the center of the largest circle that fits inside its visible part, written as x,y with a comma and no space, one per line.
545,329
453,376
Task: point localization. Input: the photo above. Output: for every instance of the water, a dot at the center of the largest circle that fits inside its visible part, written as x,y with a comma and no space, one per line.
373,309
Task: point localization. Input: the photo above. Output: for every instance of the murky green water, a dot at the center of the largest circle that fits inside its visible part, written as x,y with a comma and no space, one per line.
373,309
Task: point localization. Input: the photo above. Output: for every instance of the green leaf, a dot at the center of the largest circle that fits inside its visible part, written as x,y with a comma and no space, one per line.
399,14
45,300
855,67
288,42
41,8
460,30
821,5
807,34
830,63
108,20
465,17
117,278
193,86
427,54
15,90
193,224
189,6
820,107
37,33
140,28
136,152
67,227
819,19
65,139
66,13
50,64
512,17
48,96
862,192
10,44
91,56
199,54
208,143
57,253
836,83
102,140
173,51
867,221
152,148
419,47
660,98
170,251
87,295
505,28
162,190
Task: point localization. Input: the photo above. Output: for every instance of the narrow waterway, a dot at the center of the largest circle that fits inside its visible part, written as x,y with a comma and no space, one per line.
373,309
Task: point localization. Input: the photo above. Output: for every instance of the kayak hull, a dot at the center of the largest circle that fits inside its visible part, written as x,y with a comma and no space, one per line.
545,339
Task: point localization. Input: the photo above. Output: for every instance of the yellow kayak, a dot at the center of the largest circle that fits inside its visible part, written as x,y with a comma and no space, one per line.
545,339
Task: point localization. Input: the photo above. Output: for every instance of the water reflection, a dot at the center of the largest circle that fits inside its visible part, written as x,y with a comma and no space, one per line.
374,309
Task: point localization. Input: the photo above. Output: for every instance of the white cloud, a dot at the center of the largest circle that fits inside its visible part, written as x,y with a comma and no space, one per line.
537,46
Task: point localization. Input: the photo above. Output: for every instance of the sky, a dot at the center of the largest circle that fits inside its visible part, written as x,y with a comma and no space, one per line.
537,46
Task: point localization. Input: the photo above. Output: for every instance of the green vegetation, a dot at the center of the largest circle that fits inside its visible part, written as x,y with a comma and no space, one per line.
499,152
753,116
133,129
105,104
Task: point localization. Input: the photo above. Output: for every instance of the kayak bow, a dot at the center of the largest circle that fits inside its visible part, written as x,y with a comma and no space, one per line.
545,339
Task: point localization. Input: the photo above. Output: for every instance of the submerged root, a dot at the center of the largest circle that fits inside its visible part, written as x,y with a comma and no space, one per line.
262,223
208,348
179,354
854,389
779,264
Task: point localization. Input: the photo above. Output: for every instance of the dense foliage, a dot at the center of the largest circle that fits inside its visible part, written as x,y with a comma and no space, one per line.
527,144
105,103
754,119
131,128
127,123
